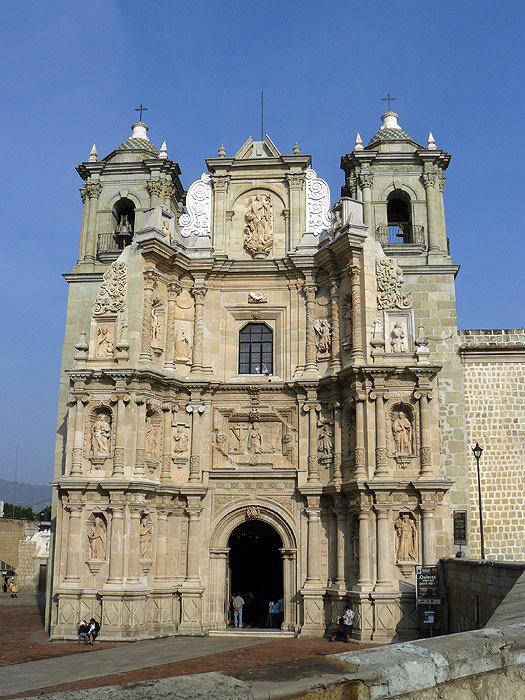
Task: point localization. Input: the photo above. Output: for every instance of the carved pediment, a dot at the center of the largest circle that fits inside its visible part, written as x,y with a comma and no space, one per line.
257,149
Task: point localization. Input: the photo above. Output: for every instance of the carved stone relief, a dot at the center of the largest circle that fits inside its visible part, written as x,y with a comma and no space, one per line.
323,338
390,293
156,325
146,536
325,443
100,434
258,230
105,341
198,204
151,438
402,433
347,317
181,443
406,538
318,212
182,346
112,292
253,513
96,537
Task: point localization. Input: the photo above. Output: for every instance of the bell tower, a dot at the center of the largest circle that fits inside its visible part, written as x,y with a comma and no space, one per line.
401,186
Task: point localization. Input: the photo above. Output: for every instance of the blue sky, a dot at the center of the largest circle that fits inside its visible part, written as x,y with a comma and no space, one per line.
73,72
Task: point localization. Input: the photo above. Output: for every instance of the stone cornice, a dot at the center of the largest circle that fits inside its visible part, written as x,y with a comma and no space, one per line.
430,269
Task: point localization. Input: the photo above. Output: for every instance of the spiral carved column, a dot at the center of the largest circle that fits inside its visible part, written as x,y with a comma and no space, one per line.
310,291
357,333
198,294
174,289
150,277
335,362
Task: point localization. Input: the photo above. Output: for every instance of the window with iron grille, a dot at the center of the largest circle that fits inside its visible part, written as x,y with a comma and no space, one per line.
256,349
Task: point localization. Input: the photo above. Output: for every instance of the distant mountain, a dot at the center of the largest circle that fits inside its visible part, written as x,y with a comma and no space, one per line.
25,494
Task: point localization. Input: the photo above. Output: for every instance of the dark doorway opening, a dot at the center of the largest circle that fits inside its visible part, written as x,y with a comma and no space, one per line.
256,571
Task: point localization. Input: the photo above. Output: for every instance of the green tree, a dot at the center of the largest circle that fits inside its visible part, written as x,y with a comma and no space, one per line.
19,512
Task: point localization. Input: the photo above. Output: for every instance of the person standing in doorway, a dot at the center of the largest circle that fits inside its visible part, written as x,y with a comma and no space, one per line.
238,604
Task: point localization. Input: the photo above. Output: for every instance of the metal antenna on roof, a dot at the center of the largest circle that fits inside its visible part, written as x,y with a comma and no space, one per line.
262,116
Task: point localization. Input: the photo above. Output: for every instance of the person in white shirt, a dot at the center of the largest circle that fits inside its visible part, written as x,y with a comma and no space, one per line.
238,604
345,628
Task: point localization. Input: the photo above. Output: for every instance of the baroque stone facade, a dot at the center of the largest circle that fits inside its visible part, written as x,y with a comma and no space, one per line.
263,368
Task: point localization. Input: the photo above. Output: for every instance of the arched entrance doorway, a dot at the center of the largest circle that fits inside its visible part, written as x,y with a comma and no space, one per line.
256,571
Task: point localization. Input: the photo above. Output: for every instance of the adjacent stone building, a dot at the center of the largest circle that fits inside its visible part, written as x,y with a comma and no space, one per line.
262,392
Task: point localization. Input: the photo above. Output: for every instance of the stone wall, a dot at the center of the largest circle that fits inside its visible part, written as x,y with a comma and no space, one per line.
475,589
11,532
494,383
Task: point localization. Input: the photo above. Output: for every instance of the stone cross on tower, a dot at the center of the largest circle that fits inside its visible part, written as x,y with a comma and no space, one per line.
388,99
143,109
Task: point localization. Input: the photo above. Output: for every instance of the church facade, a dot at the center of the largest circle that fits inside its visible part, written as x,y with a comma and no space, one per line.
262,391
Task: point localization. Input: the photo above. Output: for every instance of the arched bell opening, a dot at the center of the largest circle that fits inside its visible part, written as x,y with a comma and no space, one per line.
124,219
399,217
255,573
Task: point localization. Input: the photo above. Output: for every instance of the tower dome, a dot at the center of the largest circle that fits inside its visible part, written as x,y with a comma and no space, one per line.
139,141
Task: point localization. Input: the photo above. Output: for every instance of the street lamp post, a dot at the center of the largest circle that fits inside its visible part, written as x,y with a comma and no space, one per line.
477,450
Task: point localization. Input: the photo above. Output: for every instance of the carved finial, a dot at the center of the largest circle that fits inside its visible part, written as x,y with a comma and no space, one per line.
431,145
163,153
221,151
358,142
93,155
296,149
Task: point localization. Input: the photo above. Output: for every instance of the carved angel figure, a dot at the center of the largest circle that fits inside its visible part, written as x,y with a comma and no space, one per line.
258,232
97,540
406,549
398,342
402,432
323,337
146,532
100,435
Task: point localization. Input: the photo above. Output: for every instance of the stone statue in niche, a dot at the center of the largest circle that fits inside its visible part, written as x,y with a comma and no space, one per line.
100,435
104,341
406,538
323,337
151,439
97,540
146,534
182,345
258,232
325,437
155,327
180,440
255,439
354,538
402,433
347,316
398,339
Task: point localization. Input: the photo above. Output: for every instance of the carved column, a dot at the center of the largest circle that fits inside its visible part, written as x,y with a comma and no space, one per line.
155,191
196,410
424,398
174,289
118,455
198,294
433,214
309,291
360,454
140,452
379,397
167,439
335,362
174,538
313,537
365,184
161,557
384,567
340,512
217,586
338,450
83,225
289,585
94,190
115,549
192,570
74,544
150,277
220,185
429,537
296,184
357,332
133,545
364,548
78,436
312,410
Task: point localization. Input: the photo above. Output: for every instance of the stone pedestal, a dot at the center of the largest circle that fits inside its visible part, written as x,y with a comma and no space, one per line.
313,612
191,611
386,616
